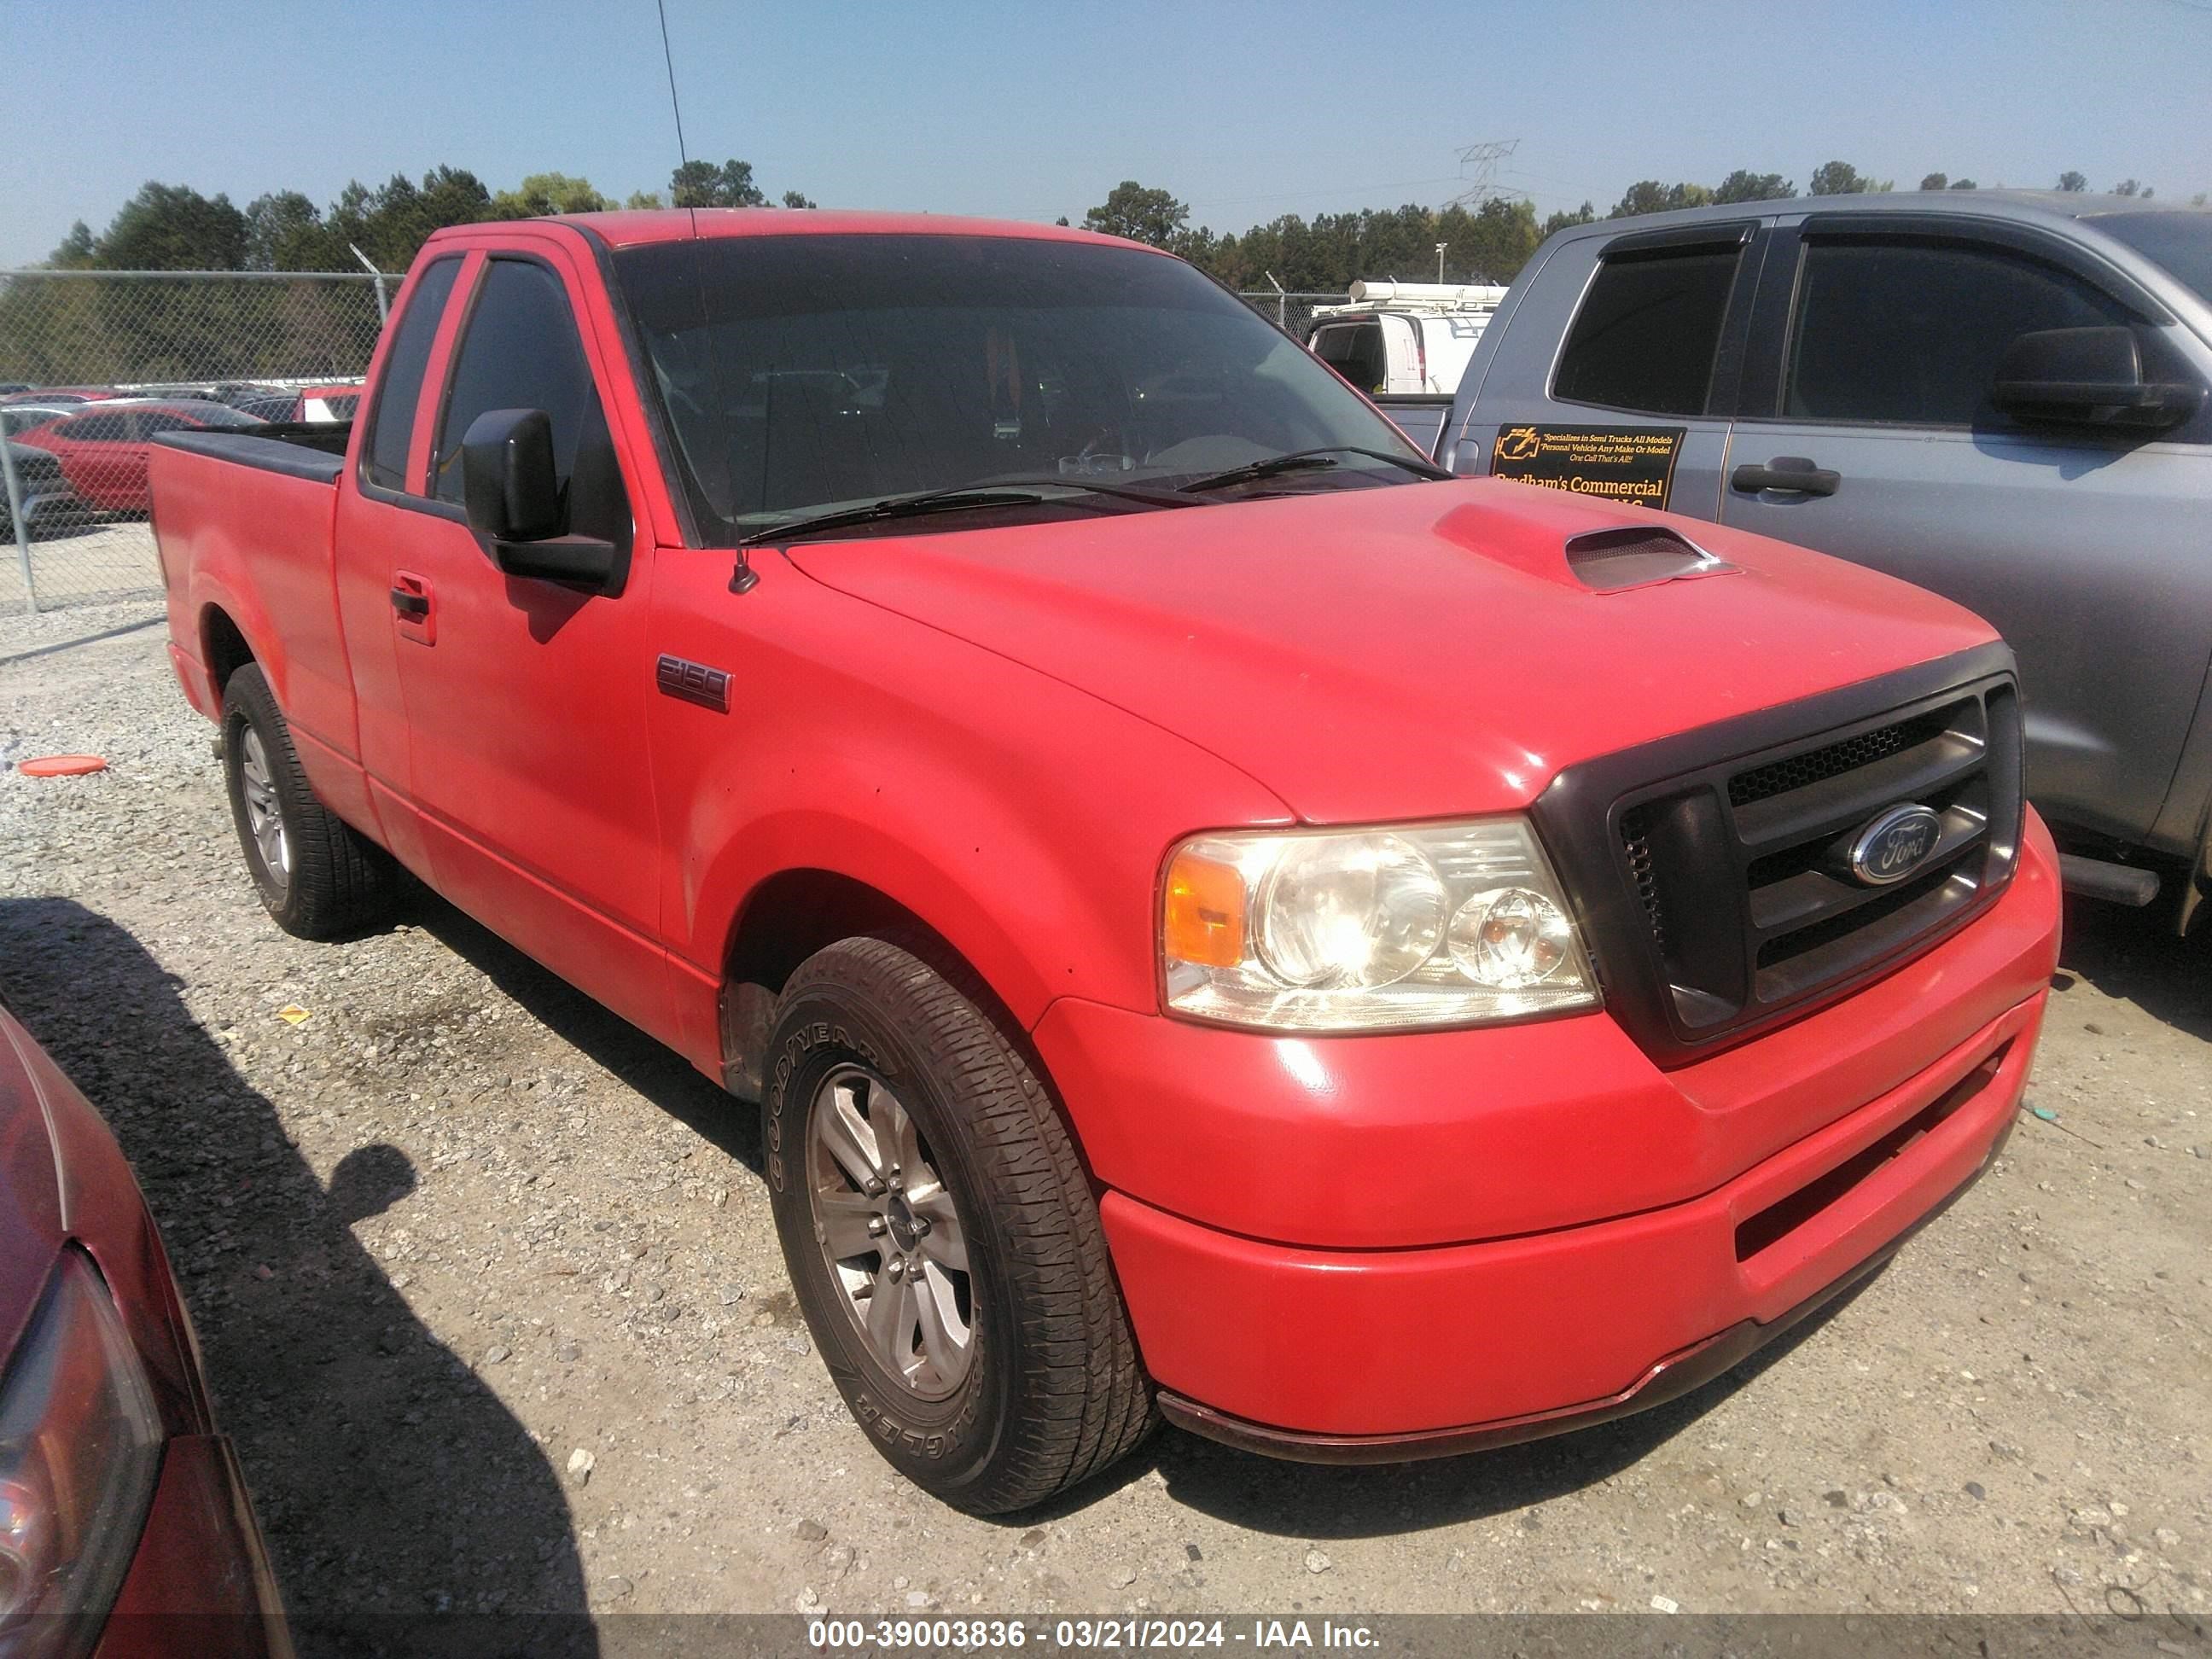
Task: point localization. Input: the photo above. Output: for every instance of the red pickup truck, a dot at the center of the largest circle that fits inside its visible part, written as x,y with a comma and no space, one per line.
1223,922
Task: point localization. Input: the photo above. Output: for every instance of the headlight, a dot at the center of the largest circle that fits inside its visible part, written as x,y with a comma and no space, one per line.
1370,929
80,1448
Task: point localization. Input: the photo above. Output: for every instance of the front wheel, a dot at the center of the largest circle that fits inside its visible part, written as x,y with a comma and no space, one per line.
941,1236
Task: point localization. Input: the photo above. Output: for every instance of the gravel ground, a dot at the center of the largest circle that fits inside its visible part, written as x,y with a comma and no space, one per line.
492,1301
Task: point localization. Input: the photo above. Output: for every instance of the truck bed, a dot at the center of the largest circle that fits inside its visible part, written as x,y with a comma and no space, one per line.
295,448
243,522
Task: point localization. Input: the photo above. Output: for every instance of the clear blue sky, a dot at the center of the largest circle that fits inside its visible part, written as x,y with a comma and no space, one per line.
1031,110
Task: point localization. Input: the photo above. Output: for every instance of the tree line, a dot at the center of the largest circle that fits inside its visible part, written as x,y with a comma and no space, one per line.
1488,243
175,227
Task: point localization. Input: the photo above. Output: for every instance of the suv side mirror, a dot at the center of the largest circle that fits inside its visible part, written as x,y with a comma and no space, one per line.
2087,377
514,500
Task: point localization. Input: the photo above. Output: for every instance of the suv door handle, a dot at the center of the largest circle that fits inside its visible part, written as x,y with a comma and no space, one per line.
414,607
1790,473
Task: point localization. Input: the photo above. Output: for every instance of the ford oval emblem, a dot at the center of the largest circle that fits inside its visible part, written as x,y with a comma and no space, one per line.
1895,844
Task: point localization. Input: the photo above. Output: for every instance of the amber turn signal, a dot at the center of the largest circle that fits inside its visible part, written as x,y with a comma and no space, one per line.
1204,916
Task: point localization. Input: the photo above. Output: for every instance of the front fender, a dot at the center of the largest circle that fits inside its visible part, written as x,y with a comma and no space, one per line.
1022,820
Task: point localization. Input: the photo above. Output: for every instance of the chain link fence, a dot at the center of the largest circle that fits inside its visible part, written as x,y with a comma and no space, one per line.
94,364
1290,312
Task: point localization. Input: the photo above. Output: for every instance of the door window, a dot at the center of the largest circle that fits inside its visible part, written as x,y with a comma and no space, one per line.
155,420
1648,331
1912,332
1356,351
392,426
520,351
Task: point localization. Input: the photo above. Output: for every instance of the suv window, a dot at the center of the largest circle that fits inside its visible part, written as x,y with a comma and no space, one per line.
1356,351
158,420
520,351
1648,331
1911,333
391,428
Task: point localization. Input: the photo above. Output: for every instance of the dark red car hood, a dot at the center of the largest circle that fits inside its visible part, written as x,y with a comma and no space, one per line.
31,1226
1399,652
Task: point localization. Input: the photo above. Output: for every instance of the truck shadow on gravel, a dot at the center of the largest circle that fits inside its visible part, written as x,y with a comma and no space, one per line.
1304,1500
638,1061
2133,955
390,1483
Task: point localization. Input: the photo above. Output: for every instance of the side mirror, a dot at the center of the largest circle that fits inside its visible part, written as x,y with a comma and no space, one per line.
507,482
2088,377
514,500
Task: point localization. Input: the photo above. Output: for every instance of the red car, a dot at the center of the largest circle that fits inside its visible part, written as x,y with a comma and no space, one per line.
121,1507
1224,921
103,451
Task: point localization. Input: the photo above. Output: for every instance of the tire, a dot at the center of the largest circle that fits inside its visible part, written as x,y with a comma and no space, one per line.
318,876
988,1202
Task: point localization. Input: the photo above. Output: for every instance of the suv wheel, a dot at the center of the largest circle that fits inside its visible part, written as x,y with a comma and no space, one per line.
942,1236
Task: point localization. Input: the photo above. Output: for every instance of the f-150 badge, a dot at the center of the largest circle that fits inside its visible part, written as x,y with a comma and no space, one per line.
694,682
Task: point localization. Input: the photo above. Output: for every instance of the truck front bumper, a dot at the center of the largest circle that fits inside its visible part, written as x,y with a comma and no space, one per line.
1383,1247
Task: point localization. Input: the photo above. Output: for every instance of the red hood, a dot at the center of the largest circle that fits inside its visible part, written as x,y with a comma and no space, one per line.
1402,653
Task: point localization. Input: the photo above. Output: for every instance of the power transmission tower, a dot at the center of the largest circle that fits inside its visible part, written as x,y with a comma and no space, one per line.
1478,171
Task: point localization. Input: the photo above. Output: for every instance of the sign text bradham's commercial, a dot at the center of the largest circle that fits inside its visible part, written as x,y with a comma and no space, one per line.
1621,463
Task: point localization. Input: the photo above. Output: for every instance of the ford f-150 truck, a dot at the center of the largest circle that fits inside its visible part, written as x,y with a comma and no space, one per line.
2001,396
1222,922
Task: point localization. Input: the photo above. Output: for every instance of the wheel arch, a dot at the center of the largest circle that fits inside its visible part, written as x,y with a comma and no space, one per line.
794,912
223,645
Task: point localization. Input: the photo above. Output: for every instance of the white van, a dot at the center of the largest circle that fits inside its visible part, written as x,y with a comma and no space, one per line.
1403,338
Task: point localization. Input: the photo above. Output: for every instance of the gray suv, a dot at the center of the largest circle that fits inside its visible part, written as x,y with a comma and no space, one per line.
1999,396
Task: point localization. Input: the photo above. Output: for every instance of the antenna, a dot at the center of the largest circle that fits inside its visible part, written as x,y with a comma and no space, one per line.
743,577
1484,158
675,104
669,58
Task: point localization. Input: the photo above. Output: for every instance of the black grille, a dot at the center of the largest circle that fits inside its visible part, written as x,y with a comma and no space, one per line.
1713,869
1832,760
1636,843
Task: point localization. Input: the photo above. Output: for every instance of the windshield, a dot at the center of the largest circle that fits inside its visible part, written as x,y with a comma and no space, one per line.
2180,241
805,374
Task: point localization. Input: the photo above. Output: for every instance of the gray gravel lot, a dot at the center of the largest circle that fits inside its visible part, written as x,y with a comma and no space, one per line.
492,1302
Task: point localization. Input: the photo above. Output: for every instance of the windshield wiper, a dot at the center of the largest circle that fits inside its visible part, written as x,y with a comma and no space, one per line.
1004,492
1303,461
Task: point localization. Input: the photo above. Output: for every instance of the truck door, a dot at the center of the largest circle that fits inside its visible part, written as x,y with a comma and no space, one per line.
1868,431
380,505
528,763
1613,374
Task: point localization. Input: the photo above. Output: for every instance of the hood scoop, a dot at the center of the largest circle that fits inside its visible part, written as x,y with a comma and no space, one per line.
1635,555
